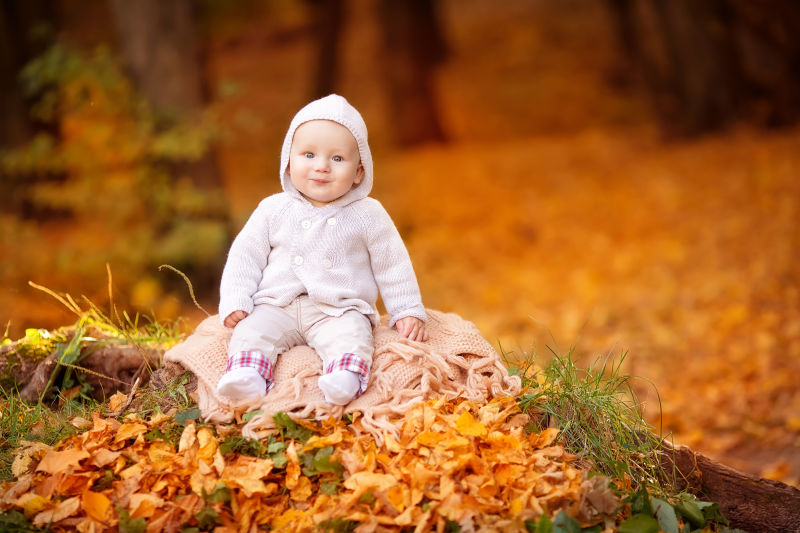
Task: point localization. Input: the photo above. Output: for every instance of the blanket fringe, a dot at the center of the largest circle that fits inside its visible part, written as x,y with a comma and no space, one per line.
456,361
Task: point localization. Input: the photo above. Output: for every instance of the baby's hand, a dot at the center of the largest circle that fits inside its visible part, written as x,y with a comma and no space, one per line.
412,328
232,319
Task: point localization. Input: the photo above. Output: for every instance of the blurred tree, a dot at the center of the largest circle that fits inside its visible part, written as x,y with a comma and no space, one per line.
328,20
413,47
710,62
26,30
161,53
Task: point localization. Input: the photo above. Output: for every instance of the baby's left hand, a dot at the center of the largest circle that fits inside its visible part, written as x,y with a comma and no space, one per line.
412,328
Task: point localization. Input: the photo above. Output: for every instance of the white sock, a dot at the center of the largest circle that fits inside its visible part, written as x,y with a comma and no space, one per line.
340,386
243,383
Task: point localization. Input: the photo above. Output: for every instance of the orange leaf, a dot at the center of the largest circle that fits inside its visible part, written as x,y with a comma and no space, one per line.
428,438
468,426
320,442
396,496
130,430
545,438
370,479
96,505
144,505
55,461
302,491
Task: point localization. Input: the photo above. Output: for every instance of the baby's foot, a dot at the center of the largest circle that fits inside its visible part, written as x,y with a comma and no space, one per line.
243,383
340,386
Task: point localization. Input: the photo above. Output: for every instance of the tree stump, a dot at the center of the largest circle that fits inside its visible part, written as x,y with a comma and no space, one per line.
749,502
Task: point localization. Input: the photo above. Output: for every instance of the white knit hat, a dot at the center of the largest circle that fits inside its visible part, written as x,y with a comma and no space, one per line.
336,108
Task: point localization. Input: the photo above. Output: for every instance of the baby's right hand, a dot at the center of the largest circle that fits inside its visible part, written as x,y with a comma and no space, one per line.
232,319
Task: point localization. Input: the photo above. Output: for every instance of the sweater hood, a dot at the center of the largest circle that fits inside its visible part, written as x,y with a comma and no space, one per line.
336,108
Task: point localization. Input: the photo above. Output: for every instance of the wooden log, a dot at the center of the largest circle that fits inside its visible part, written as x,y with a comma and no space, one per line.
109,368
749,502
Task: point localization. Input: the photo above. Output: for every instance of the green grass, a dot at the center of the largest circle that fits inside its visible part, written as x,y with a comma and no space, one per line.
24,421
597,412
48,419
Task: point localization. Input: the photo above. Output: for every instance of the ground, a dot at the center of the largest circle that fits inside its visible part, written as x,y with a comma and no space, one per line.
558,214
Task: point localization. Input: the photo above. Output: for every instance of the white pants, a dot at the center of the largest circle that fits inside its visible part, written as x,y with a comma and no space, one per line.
271,330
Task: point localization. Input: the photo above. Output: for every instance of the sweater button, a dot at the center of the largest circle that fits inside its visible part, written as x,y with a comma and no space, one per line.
327,263
306,224
298,260
331,221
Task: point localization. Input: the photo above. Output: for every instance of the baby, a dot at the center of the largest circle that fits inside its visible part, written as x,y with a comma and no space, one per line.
308,264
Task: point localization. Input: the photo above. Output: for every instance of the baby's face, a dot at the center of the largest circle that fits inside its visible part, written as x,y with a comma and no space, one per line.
324,162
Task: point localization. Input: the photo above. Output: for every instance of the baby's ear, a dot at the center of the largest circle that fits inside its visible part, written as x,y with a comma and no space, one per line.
359,174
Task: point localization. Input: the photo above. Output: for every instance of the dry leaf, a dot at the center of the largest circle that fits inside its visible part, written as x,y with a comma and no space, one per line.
62,461
96,505
117,401
63,510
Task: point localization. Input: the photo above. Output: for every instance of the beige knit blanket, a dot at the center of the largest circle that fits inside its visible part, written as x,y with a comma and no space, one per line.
456,360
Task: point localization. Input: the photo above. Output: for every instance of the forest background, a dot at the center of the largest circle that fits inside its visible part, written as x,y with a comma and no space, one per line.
621,176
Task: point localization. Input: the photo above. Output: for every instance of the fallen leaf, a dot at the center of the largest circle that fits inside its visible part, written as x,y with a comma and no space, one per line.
32,504
361,480
63,510
62,461
468,426
117,401
130,430
96,505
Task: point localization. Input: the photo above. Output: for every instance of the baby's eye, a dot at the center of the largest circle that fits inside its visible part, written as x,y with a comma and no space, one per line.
338,158
309,155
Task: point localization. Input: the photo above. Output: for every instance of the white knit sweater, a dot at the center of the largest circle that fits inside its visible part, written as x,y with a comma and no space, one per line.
340,254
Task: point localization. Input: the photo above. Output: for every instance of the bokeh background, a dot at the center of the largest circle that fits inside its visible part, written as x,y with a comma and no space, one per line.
617,177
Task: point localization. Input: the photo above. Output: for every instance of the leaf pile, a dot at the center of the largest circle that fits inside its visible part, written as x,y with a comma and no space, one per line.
456,464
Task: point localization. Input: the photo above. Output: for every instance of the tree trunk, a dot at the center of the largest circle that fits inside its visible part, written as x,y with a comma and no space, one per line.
161,53
26,30
328,20
748,502
709,63
413,47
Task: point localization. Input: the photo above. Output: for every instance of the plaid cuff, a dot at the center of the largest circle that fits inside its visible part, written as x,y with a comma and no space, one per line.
252,359
353,363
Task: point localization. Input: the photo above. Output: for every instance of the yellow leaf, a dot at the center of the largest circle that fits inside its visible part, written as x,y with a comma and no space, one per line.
96,505
208,444
55,461
501,441
161,459
320,442
368,480
117,401
188,437
428,438
468,426
28,452
396,496
302,490
32,504
63,510
291,518
130,430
